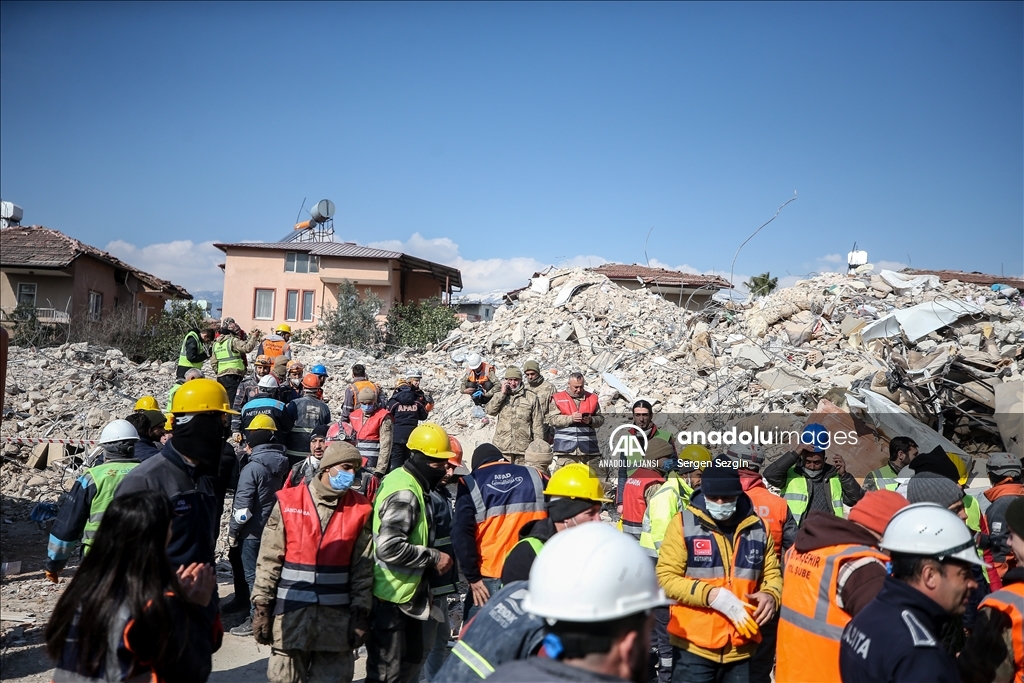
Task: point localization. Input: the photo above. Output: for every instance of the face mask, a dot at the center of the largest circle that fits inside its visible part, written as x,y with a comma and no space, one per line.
200,437
721,511
814,474
367,407
342,480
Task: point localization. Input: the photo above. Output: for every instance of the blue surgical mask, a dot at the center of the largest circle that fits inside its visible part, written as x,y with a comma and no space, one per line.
342,480
721,511
367,407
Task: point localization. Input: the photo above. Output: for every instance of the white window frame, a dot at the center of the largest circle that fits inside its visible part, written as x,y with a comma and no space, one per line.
291,305
307,311
35,292
256,303
95,305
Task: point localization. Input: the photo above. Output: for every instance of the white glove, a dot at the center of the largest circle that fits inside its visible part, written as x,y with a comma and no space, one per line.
735,610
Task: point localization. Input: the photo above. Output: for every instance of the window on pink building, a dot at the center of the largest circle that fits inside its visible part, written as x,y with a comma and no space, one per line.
291,305
264,305
307,306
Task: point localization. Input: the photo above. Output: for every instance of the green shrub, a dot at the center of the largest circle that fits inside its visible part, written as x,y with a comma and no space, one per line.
353,322
420,324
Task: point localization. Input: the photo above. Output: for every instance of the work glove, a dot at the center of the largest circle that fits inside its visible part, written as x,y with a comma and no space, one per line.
53,577
232,541
477,393
735,610
358,629
261,620
236,438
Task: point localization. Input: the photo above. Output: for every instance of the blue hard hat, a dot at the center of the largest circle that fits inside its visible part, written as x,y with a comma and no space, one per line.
817,437
319,370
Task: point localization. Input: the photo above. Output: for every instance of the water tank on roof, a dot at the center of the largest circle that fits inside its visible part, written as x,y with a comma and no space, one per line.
323,211
11,214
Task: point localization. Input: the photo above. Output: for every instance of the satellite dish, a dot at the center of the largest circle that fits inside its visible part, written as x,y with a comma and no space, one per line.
323,211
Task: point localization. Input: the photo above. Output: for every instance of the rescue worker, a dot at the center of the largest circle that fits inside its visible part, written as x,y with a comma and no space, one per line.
641,485
413,377
599,626
306,412
718,560
228,359
538,385
1004,473
150,426
276,345
320,370
195,348
406,412
520,418
314,575
250,387
266,403
642,412
835,570
575,416
358,383
306,469
279,369
895,637
672,496
372,430
492,503
260,480
574,497
538,455
295,372
402,554
146,403
82,509
437,629
902,450
479,381
994,650
808,482
190,374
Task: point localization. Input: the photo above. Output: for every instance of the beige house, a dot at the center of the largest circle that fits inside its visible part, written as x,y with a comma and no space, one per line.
269,283
64,279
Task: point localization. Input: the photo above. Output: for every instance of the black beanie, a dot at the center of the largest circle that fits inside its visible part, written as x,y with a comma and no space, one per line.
938,462
720,480
258,437
561,509
321,431
485,453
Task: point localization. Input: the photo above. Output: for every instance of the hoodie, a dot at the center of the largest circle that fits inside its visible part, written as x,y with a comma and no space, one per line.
407,412
256,494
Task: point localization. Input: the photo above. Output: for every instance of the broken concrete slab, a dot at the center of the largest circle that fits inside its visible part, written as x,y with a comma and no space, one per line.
750,357
784,378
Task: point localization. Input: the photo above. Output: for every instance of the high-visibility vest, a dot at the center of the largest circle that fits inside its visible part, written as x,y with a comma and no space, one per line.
505,497
316,565
361,384
772,510
634,505
973,510
1010,601
797,494
480,375
811,622
225,355
106,477
182,358
272,348
705,550
665,504
367,432
392,583
576,436
884,478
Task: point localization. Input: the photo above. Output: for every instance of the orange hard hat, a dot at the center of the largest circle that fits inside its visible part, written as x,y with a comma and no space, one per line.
455,447
311,381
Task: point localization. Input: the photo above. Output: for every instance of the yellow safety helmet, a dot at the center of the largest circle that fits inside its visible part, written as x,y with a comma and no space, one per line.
431,440
262,422
147,403
696,453
576,480
283,327
201,396
962,468
169,425
263,360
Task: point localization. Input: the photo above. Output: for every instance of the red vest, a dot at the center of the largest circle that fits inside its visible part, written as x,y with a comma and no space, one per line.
367,432
316,565
576,436
633,503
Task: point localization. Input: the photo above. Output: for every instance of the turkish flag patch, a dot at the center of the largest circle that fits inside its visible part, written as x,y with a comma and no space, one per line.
702,546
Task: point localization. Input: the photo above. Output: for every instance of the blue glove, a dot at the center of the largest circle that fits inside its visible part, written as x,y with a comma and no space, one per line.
478,393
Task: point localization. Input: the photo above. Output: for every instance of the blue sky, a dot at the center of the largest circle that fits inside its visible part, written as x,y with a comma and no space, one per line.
504,137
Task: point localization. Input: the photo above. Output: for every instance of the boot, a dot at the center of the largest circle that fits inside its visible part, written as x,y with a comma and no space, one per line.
243,630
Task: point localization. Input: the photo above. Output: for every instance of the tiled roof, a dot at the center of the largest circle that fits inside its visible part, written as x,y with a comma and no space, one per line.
342,249
38,247
975,278
660,276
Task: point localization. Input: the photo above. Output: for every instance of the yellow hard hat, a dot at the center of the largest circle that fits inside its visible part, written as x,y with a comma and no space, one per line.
263,360
431,440
283,327
169,425
147,403
576,480
961,467
201,396
262,422
696,453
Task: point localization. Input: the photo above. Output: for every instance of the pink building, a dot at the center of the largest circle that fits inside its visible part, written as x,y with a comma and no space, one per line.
269,283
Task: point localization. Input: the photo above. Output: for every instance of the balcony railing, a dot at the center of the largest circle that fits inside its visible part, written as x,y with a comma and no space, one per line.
44,315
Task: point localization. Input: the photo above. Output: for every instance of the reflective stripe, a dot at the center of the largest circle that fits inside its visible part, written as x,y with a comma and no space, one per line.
312,576
818,628
471,658
484,513
818,625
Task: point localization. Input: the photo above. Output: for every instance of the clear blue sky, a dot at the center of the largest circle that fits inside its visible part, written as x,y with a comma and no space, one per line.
500,137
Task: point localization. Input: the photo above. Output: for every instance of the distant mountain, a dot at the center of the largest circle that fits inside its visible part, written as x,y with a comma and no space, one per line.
215,297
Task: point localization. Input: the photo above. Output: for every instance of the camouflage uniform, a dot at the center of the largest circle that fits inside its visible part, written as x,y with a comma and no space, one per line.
520,421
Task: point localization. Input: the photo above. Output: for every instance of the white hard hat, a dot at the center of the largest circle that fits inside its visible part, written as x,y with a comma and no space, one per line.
413,373
474,360
746,453
932,531
268,381
612,577
118,430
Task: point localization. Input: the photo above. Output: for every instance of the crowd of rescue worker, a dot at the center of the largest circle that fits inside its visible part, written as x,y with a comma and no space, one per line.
356,530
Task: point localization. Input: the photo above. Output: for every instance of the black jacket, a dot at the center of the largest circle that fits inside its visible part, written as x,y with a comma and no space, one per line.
146,449
544,670
520,559
258,484
407,410
896,639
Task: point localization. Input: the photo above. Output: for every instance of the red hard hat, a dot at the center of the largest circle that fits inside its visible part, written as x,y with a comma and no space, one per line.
311,381
455,447
335,433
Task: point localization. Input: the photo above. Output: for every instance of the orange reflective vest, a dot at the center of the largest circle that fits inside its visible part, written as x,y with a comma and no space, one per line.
480,375
367,431
1010,601
581,436
705,553
772,510
272,348
811,622
634,505
361,384
316,565
506,497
